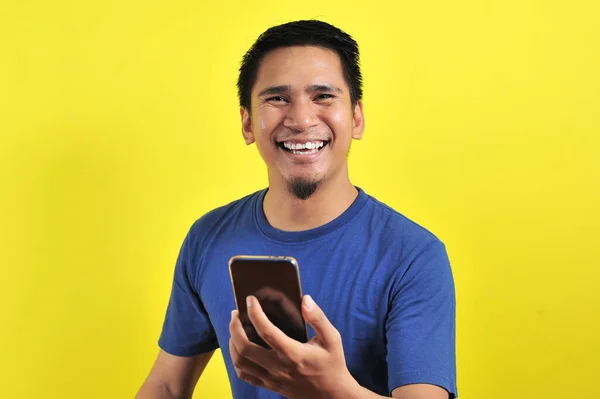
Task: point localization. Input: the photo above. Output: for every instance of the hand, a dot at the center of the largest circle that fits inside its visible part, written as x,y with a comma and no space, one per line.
281,311
316,369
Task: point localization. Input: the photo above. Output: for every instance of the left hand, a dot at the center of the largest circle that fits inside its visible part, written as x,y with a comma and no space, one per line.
316,369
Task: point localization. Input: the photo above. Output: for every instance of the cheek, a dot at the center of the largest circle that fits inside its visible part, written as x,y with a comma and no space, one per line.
337,118
340,121
265,123
263,126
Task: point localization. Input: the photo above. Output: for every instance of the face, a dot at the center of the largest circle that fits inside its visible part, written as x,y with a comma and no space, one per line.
301,116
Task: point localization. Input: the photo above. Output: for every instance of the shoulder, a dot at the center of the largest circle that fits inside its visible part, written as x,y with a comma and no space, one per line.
395,229
420,262
224,217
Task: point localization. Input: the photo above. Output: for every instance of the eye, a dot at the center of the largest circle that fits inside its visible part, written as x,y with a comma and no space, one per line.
276,99
324,96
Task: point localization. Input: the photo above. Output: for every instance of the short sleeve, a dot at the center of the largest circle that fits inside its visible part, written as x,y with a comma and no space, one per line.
187,330
421,323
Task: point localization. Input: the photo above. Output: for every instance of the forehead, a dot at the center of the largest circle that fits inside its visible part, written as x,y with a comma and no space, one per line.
299,66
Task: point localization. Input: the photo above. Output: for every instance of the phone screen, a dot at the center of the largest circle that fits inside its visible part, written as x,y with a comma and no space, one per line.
275,282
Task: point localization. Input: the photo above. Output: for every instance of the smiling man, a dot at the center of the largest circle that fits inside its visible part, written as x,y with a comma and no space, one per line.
380,288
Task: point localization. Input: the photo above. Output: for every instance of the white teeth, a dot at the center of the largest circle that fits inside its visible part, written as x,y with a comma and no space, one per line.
311,146
310,152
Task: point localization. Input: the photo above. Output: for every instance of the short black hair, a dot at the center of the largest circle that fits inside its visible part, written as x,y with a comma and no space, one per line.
302,33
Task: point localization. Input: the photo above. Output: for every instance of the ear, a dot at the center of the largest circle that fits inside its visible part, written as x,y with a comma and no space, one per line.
358,121
246,126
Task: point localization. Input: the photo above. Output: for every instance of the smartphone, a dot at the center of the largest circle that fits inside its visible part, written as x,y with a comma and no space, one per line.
275,282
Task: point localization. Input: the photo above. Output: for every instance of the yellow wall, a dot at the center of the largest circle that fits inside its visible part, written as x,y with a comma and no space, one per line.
119,127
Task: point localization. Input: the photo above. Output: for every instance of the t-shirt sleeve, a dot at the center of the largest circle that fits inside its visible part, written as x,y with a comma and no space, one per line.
421,323
187,330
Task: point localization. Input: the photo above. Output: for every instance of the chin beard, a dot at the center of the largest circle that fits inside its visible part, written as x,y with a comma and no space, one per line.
303,189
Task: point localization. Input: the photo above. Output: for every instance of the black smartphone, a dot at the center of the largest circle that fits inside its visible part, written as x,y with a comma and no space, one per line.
275,282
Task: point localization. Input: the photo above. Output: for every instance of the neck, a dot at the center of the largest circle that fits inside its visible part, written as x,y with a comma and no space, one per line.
286,212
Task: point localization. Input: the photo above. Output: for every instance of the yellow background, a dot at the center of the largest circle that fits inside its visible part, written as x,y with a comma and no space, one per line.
119,127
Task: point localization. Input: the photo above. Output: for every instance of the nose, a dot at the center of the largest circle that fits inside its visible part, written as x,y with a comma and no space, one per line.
301,116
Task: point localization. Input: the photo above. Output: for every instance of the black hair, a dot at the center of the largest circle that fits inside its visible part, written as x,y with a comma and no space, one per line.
302,33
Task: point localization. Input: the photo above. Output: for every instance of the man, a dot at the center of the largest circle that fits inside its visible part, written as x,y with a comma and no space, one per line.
380,288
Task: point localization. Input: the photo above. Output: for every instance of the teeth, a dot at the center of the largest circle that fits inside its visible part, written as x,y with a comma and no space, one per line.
306,146
314,151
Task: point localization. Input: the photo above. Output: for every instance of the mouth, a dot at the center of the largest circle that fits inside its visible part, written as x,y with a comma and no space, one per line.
303,148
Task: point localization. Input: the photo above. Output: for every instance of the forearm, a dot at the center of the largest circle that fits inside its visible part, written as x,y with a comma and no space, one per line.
349,388
359,392
154,390
412,391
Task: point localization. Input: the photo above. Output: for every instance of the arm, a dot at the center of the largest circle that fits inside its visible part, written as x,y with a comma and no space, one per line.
296,370
187,340
413,391
420,391
420,327
173,377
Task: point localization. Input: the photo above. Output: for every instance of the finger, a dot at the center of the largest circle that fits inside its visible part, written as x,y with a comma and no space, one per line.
252,372
275,302
291,311
272,335
326,332
250,379
244,347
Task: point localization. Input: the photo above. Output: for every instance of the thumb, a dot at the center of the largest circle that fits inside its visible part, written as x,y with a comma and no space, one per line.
314,315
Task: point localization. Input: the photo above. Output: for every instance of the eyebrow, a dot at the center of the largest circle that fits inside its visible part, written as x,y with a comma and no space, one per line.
286,89
282,89
322,87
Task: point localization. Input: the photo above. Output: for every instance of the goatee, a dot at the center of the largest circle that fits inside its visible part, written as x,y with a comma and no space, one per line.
303,189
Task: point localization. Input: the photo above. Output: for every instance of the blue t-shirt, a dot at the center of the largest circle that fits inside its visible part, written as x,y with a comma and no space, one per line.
383,281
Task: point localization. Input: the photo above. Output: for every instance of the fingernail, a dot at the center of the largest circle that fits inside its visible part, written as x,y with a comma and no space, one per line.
309,303
232,314
248,302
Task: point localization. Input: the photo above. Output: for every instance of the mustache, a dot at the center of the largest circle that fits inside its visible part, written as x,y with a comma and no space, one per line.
297,138
302,137
308,135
